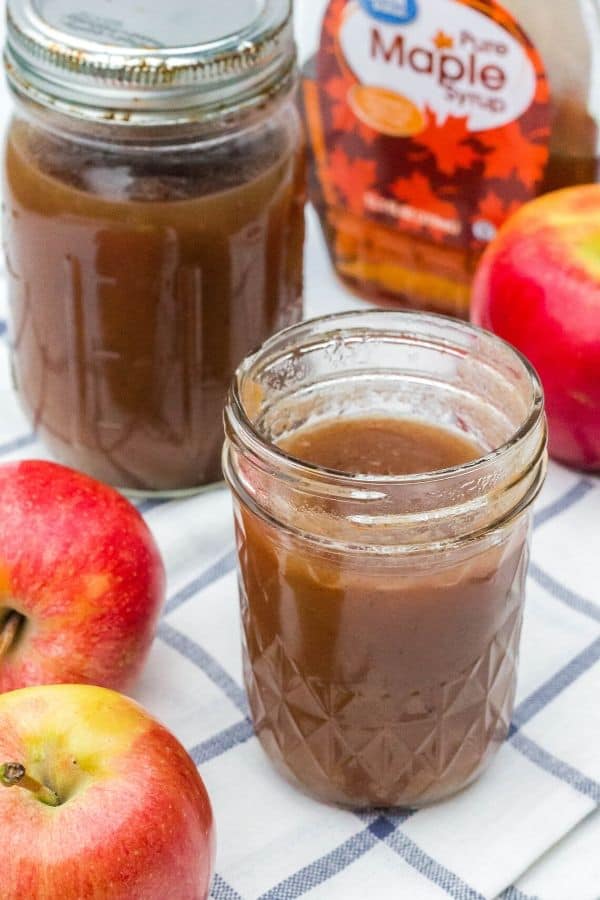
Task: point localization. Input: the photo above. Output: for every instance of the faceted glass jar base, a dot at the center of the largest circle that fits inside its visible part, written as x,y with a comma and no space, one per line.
388,734
382,612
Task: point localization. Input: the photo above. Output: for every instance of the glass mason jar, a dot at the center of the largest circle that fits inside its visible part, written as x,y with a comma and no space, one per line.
382,615
154,224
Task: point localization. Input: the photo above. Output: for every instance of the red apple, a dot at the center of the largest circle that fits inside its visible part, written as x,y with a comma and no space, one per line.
81,580
538,287
97,799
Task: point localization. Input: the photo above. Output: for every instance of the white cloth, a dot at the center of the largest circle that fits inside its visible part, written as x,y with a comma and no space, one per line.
276,843
530,828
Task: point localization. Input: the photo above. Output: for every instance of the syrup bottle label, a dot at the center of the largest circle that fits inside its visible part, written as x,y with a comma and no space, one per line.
430,116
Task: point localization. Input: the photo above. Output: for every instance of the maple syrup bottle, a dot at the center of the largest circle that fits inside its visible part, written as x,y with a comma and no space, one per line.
432,122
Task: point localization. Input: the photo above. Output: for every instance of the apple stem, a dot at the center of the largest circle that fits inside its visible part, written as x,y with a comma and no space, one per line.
15,775
8,631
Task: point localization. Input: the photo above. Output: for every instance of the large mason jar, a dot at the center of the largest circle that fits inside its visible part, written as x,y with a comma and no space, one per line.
154,193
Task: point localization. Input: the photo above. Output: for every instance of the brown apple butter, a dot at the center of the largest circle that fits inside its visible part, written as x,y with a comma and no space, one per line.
138,283
383,558
370,685
381,446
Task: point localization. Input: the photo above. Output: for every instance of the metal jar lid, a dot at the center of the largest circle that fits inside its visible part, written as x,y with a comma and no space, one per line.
149,61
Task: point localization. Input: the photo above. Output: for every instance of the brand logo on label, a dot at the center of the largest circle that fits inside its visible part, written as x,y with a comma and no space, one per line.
394,12
472,68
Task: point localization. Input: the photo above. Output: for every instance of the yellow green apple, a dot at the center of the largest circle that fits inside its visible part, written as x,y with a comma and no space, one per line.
98,800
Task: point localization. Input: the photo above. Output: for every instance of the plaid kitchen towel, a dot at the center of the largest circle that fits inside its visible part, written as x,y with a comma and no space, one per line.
528,829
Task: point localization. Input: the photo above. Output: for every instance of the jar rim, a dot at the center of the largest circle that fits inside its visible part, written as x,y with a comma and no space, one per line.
272,453
109,68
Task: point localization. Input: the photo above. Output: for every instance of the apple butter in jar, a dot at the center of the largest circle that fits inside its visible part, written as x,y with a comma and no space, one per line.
383,467
153,224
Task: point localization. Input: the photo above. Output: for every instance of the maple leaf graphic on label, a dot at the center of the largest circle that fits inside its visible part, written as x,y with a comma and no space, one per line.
443,41
341,114
342,117
352,178
337,88
511,152
447,143
417,191
331,22
493,209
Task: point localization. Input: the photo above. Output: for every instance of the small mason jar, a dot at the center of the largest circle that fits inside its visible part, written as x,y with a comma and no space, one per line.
154,223
382,614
